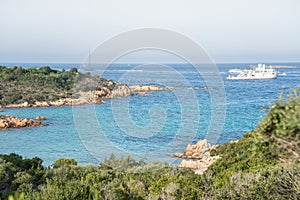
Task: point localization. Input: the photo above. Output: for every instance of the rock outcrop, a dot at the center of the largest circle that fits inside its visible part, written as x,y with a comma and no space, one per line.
20,105
40,118
85,98
120,90
197,156
7,121
142,93
94,97
145,88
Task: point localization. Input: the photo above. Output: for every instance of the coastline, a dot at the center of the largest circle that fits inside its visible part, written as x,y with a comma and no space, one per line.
92,97
97,96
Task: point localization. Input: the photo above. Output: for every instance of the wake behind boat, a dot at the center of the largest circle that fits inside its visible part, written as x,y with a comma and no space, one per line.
261,71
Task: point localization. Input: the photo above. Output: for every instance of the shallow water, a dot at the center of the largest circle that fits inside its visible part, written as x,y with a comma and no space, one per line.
154,125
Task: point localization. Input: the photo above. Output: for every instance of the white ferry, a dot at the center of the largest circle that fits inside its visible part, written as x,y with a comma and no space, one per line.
261,71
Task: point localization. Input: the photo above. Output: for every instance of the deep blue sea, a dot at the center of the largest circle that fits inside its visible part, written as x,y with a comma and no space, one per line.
151,126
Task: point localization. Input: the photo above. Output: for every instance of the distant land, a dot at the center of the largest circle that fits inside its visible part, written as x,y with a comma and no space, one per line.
283,66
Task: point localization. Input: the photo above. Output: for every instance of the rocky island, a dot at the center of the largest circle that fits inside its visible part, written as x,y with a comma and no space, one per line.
44,87
7,121
30,87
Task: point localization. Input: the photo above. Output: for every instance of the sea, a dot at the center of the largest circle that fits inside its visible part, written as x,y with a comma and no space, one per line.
150,126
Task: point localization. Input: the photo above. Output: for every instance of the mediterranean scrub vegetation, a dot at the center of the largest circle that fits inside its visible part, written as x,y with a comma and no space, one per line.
19,85
263,164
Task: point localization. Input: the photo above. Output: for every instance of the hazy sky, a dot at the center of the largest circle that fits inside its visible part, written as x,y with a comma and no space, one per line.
230,31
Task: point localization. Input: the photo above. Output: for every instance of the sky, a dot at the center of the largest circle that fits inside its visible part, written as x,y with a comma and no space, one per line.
230,31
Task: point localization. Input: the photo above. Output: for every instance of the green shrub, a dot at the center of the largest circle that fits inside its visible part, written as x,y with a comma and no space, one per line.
259,166
64,162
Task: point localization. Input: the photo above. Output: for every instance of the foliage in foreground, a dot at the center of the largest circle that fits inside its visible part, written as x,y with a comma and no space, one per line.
264,164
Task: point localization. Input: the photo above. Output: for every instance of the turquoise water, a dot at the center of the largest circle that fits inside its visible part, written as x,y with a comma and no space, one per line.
152,125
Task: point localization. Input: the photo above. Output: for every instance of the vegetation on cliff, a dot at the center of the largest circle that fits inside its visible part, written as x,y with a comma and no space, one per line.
263,164
19,85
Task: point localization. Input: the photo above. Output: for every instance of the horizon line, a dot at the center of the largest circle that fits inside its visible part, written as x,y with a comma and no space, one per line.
222,62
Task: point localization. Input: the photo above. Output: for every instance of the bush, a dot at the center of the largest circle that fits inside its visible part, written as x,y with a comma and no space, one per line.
64,162
251,168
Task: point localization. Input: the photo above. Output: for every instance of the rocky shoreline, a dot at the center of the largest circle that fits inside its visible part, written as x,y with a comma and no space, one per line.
7,121
96,97
93,97
197,156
